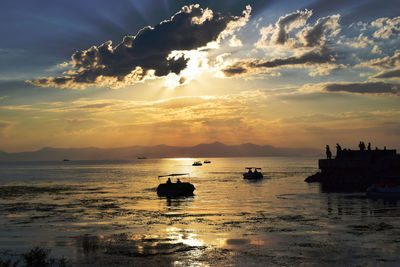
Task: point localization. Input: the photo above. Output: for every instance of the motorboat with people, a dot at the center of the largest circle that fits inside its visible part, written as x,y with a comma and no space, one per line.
250,174
207,161
386,189
176,187
197,163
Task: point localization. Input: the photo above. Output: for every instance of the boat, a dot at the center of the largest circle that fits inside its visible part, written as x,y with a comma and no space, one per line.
66,160
207,161
387,189
250,174
141,158
197,163
177,188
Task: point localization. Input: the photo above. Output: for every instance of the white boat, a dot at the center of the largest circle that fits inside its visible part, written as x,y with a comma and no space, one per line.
250,174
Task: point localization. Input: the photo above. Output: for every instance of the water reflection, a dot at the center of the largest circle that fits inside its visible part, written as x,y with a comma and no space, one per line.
177,201
114,213
359,205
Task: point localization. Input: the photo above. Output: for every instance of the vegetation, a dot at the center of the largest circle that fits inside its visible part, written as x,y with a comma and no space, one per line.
36,257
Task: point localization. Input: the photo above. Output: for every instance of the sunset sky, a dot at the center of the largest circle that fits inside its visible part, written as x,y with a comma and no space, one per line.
129,72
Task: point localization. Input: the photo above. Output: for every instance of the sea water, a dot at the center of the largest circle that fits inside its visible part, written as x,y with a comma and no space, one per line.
105,213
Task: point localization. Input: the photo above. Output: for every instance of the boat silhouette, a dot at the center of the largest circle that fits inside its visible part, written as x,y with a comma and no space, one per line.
252,174
177,188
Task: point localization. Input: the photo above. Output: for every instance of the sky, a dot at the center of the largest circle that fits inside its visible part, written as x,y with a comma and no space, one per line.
121,73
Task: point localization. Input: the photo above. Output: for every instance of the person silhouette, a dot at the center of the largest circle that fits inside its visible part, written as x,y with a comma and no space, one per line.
361,146
178,181
338,151
328,152
169,181
369,146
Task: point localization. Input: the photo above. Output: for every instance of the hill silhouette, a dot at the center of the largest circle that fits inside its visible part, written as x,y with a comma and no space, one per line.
216,149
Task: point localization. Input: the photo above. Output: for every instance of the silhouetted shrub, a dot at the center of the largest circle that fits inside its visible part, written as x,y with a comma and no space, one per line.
36,257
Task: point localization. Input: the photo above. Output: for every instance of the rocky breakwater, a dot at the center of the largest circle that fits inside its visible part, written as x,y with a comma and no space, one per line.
356,170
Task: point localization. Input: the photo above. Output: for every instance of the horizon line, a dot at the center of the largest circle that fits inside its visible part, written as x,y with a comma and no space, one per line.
119,147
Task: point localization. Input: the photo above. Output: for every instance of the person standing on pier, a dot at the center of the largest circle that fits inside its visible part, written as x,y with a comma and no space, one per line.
361,146
338,151
328,152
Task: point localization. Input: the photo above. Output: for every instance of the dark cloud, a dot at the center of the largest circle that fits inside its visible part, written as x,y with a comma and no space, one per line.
389,74
190,28
96,106
278,34
363,88
307,36
381,63
253,66
316,35
286,23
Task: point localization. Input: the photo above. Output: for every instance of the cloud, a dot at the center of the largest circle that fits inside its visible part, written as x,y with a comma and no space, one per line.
6,127
19,107
251,66
146,54
316,35
361,41
325,69
386,27
96,106
279,34
235,42
376,50
307,36
363,87
381,63
390,74
85,125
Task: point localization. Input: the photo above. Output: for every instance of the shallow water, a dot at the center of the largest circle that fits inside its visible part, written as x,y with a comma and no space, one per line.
102,213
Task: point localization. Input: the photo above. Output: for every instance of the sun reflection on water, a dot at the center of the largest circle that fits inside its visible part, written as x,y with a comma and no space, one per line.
182,236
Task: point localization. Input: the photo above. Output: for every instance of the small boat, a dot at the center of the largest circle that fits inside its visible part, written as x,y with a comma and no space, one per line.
66,160
389,189
177,188
141,158
197,163
207,161
250,174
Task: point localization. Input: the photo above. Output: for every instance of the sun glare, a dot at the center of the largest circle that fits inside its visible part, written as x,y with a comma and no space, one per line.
197,63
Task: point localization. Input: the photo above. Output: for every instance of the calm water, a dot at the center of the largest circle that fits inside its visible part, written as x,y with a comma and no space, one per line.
108,212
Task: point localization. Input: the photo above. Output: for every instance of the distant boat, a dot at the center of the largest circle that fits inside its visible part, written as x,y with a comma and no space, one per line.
384,190
197,163
207,161
141,158
66,160
250,174
177,188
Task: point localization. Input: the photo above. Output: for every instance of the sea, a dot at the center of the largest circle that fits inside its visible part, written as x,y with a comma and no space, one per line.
107,213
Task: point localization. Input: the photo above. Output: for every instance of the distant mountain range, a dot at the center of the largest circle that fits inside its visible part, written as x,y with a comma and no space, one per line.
216,149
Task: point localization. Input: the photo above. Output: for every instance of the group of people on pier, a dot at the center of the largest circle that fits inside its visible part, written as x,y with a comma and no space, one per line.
340,153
